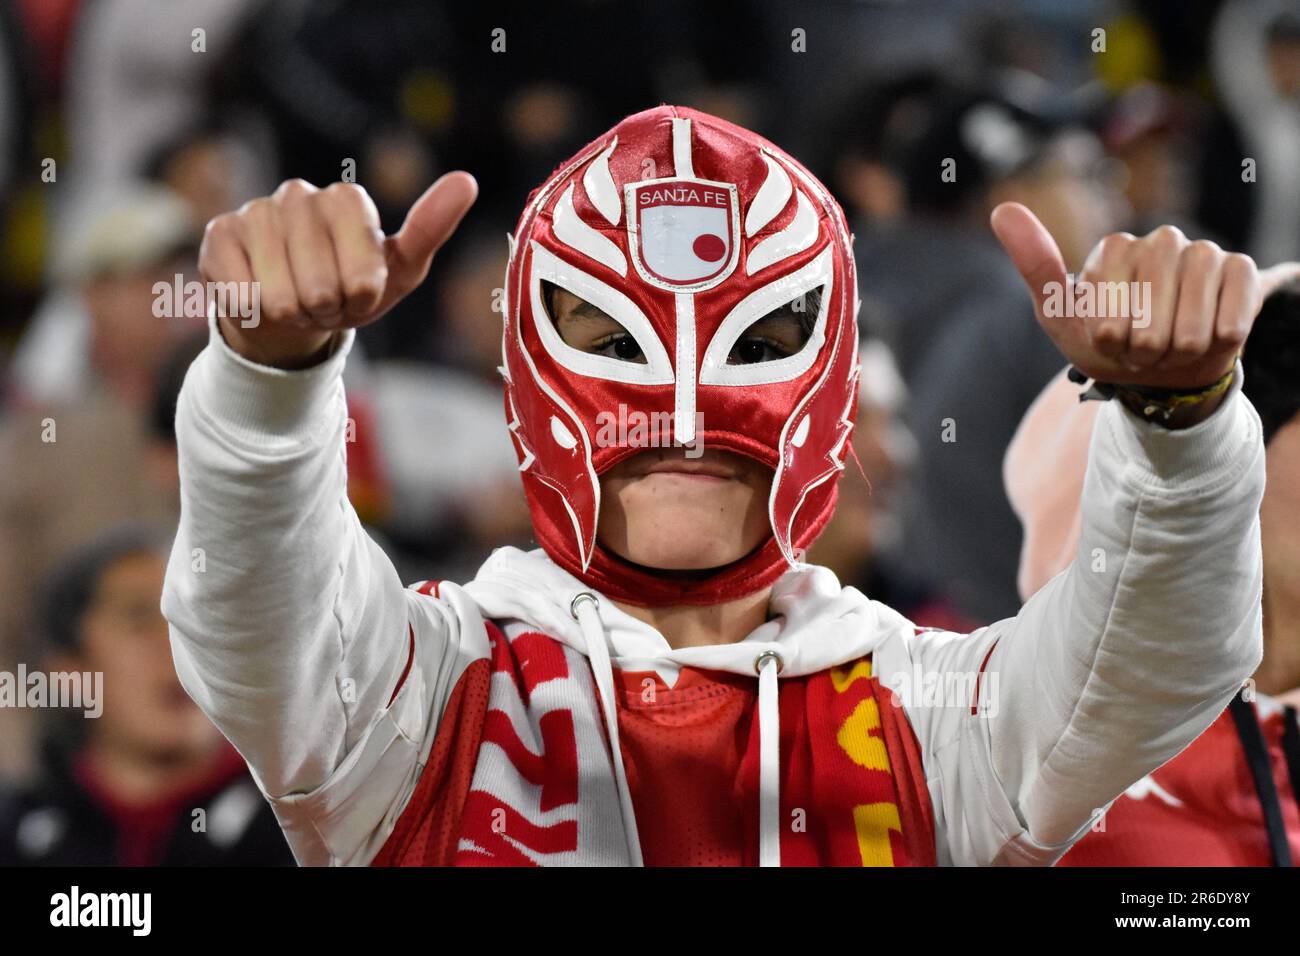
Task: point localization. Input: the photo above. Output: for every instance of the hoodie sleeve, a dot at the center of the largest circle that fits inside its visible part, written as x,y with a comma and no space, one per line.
1029,728
289,625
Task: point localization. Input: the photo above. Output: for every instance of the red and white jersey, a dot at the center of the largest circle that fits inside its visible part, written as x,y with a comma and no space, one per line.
852,784
465,724
1203,808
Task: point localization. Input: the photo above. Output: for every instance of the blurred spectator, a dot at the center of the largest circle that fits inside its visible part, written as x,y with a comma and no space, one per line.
76,444
149,781
1231,798
866,154
964,331
98,331
866,521
1255,57
1153,39
525,106
72,471
137,78
452,468
210,169
1148,132
867,142
356,91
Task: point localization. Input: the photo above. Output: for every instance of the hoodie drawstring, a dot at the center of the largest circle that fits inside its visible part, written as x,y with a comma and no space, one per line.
768,665
584,610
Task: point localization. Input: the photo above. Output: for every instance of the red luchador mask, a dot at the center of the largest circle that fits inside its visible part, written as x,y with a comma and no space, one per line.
686,230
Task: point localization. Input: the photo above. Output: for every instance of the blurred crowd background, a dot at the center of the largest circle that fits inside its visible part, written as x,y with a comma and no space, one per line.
122,131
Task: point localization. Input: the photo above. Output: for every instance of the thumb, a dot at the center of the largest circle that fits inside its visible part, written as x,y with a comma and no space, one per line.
1033,251
429,223
1277,277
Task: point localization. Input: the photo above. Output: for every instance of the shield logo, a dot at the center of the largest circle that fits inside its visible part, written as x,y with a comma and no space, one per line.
683,232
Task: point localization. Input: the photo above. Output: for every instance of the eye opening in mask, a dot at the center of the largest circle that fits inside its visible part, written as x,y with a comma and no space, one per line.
587,327
780,333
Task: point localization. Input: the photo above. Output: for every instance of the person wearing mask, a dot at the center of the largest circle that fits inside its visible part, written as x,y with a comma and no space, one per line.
666,680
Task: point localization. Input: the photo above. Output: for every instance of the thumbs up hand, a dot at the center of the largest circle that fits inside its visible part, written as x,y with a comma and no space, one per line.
320,263
1185,307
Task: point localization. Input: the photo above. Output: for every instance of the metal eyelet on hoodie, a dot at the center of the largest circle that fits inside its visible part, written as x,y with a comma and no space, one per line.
766,656
578,598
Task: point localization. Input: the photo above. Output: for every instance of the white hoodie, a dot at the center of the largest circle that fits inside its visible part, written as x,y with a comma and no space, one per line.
290,629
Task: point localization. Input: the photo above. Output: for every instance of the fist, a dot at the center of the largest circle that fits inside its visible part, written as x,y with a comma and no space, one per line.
319,262
1185,307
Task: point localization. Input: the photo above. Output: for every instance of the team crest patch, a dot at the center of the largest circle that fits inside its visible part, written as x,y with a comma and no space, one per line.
683,233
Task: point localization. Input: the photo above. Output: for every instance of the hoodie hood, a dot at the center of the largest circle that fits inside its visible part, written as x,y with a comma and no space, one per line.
816,623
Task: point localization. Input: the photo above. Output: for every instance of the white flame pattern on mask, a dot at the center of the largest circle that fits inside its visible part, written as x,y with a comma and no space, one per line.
800,234
576,234
600,187
514,425
835,456
770,198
